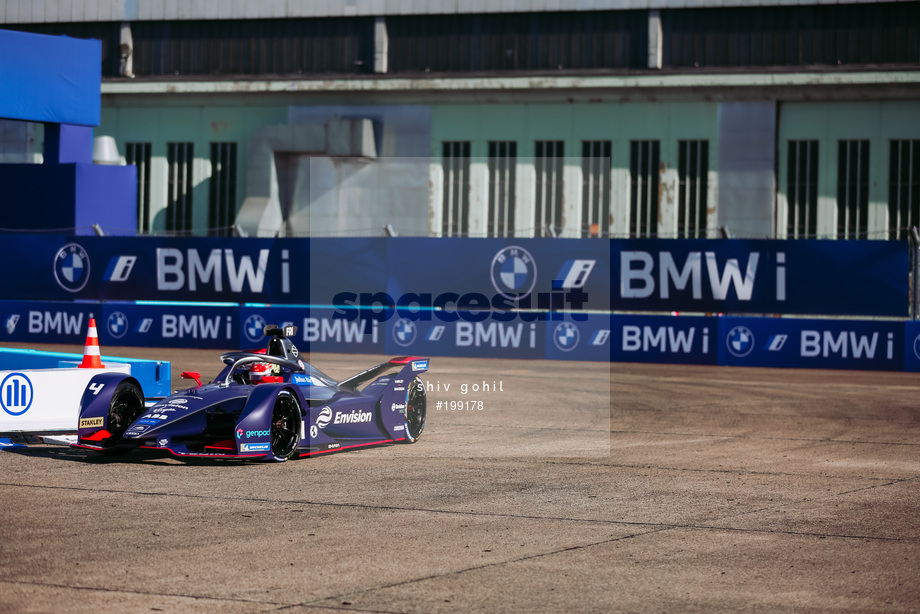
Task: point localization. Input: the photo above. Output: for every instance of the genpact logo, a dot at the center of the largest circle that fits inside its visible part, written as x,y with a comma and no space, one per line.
251,434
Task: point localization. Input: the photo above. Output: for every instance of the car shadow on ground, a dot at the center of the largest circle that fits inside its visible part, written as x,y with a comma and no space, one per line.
135,457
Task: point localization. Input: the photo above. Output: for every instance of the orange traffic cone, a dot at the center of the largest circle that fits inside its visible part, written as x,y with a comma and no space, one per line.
91,354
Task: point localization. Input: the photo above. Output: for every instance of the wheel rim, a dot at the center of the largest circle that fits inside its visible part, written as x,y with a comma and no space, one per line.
125,409
416,406
285,431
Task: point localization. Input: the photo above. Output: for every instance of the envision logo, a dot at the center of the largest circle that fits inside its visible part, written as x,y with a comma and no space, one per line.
324,418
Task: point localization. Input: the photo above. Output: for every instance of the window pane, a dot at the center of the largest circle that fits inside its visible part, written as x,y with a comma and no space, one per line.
643,193
802,190
903,188
180,158
548,205
853,189
455,206
596,186
138,154
222,193
693,169
502,167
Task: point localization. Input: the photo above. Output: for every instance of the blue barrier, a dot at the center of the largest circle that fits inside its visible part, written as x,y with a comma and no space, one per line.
47,321
153,375
807,277
665,339
850,278
175,325
912,346
317,330
812,343
889,345
521,298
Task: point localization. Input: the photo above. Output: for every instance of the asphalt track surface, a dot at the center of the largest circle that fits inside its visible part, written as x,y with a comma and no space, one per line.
579,487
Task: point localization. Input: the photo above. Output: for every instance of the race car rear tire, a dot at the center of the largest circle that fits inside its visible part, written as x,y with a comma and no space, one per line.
416,411
285,429
126,405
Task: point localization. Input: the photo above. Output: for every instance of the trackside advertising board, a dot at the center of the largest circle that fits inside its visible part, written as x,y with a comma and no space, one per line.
496,298
912,346
812,343
665,339
732,341
808,277
317,329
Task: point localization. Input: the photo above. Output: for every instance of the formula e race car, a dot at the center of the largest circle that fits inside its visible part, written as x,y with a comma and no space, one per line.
265,404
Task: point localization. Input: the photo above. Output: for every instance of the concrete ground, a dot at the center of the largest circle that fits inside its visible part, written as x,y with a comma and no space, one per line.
577,487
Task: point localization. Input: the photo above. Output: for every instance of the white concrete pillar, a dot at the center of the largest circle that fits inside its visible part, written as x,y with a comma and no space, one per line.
654,39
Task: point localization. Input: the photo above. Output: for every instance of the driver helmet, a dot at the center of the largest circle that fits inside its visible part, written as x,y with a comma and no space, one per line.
258,370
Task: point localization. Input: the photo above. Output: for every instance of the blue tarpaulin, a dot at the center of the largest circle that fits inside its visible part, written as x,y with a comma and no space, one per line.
51,79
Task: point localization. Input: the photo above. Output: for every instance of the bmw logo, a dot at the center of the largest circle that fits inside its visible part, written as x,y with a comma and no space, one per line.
514,272
404,332
117,324
253,327
740,341
324,418
71,267
566,336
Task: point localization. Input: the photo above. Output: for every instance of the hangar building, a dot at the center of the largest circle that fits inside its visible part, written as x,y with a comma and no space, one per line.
569,118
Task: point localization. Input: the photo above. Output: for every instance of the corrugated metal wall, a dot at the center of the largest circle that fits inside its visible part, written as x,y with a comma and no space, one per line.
35,11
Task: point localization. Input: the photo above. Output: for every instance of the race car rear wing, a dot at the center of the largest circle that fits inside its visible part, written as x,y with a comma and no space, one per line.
353,382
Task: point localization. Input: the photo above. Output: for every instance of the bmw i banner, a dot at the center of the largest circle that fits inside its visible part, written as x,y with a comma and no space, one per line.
805,277
813,343
420,278
161,269
665,339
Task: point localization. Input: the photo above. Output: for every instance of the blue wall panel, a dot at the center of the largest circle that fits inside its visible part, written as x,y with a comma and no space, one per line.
50,78
46,321
467,336
175,326
912,346
317,329
665,339
708,340
471,297
812,343
807,277
865,278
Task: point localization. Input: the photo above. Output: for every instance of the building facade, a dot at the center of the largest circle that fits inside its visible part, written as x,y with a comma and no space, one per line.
565,118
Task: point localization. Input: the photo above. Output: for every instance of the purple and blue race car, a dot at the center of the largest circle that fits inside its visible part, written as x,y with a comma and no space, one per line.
267,404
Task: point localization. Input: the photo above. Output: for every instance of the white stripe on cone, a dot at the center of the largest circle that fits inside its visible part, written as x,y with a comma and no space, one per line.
91,353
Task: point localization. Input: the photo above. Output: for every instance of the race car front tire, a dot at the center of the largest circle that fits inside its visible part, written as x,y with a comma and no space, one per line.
126,405
285,428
